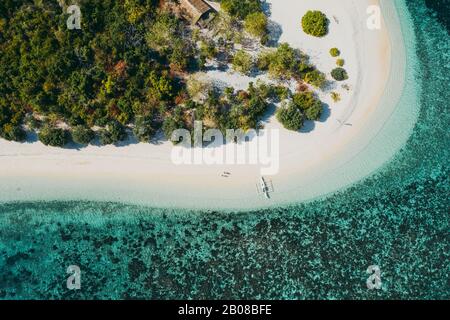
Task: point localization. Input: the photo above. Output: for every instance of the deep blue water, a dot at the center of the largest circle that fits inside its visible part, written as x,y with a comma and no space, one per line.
397,219
441,8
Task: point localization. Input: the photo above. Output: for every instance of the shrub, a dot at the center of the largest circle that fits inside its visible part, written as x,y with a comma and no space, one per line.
256,24
290,117
106,137
335,96
309,104
170,125
12,132
82,134
284,63
334,52
339,74
174,122
315,78
161,87
161,35
208,49
264,59
54,137
314,112
272,92
340,62
315,23
117,130
143,129
281,92
304,100
241,8
265,39
242,62
181,56
113,133
197,88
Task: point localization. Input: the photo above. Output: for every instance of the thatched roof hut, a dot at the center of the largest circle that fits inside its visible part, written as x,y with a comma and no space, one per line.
196,9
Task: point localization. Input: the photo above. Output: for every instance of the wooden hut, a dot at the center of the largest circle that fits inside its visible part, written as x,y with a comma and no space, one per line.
196,10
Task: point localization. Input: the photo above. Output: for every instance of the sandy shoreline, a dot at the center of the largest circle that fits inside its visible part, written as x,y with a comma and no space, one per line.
312,163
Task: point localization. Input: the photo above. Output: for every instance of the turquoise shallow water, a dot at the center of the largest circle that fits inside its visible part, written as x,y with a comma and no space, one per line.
397,219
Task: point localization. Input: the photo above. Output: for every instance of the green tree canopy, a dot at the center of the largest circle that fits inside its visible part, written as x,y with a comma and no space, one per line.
315,78
55,137
13,133
256,24
241,8
334,52
290,117
339,74
143,128
308,104
82,134
114,132
315,23
242,62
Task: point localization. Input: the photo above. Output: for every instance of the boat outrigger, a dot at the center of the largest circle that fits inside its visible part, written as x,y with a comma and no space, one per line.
264,187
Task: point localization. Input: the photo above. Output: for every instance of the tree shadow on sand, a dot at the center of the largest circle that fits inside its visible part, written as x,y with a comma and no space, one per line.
31,137
310,125
275,29
158,138
326,113
271,110
275,32
266,8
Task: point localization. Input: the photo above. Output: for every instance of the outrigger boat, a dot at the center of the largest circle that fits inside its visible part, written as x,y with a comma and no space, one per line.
264,188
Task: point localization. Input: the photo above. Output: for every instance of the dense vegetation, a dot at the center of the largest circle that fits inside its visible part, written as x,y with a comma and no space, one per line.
304,106
105,72
241,8
256,24
54,137
235,109
129,70
308,104
290,116
242,62
124,71
285,63
315,23
82,134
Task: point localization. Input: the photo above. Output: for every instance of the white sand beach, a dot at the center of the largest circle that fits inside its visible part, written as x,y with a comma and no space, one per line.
348,144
